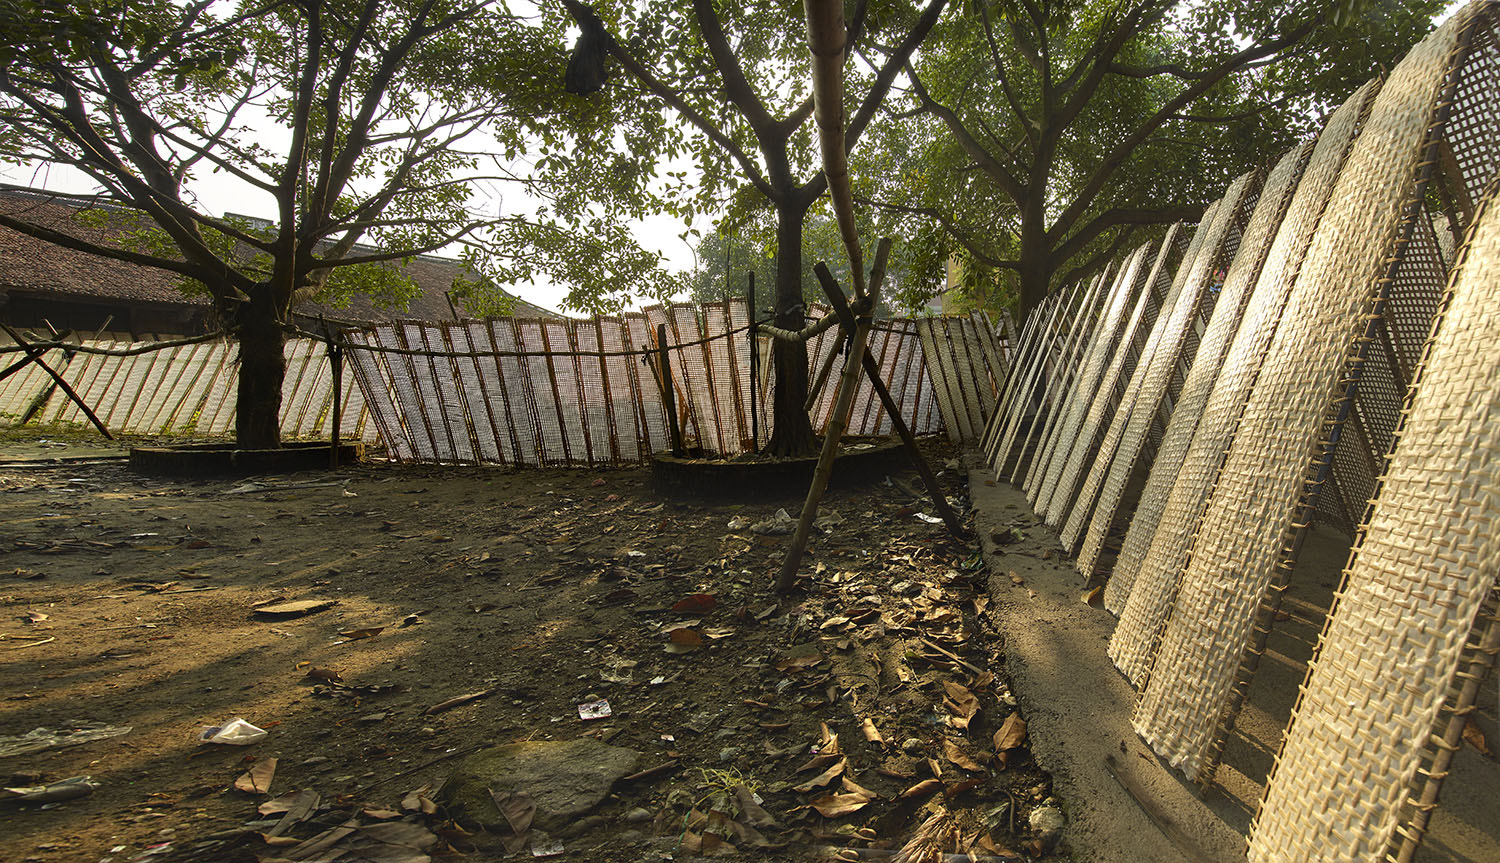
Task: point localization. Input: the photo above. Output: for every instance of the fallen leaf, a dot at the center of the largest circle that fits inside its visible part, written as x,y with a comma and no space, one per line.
956,755
798,661
823,778
838,620
357,634
1475,738
717,632
836,805
33,617
1012,735
257,780
518,811
871,733
381,814
698,603
751,811
962,703
683,640
327,675
963,785
1015,578
851,787
922,789
1094,597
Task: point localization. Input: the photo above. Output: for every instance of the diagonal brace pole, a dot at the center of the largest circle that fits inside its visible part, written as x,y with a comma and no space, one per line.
34,355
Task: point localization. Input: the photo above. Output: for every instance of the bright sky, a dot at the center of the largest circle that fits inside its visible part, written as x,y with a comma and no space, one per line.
219,193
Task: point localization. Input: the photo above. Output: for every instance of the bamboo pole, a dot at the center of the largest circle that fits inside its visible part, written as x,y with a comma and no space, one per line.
668,396
35,356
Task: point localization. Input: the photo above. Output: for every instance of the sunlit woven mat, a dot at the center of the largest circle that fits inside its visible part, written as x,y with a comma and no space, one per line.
1041,326
1248,521
1153,583
1094,464
1430,552
1228,312
1102,348
1106,397
1054,349
1085,371
1155,375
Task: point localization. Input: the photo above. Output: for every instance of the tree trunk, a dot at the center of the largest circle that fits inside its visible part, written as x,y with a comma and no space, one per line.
792,433
1036,258
257,423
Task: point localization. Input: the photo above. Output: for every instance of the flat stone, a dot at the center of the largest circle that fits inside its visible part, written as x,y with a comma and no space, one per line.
566,779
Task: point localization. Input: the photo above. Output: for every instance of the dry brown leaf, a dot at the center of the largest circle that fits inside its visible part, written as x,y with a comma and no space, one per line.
683,640
981,602
357,634
922,789
871,733
751,811
962,703
825,777
1012,733
836,805
257,780
1015,578
956,755
851,787
1475,738
1094,597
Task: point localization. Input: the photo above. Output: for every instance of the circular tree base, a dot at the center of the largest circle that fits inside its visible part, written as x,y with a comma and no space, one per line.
750,476
210,459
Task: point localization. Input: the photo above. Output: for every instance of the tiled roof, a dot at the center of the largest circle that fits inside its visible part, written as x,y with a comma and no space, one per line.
30,264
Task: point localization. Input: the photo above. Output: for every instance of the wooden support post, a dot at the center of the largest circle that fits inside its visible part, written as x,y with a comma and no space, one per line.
822,378
754,365
35,355
939,500
668,395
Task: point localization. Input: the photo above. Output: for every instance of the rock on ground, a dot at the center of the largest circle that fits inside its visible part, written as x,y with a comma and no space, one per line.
565,779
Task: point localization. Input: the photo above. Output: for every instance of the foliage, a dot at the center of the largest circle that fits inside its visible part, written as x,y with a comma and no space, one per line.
1041,137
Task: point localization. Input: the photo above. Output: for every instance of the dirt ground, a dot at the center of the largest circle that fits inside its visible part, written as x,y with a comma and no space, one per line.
132,601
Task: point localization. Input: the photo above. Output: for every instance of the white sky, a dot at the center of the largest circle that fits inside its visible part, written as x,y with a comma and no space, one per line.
219,193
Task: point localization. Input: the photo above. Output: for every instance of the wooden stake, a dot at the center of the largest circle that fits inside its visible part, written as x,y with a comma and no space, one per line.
35,356
668,396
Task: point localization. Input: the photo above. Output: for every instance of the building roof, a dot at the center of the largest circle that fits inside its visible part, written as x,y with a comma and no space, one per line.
33,265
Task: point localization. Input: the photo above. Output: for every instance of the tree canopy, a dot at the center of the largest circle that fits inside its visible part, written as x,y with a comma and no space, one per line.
1039,135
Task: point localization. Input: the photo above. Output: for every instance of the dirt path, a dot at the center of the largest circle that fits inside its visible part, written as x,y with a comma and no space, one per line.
131,601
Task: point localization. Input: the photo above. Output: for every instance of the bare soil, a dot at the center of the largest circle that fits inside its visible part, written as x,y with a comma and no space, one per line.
132,600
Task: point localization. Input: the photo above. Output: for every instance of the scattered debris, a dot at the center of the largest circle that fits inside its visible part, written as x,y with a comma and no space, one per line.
460,701
780,524
72,734
235,732
296,608
56,792
594,710
257,780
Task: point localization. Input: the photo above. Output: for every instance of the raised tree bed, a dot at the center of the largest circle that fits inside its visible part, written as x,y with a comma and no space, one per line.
751,476
207,459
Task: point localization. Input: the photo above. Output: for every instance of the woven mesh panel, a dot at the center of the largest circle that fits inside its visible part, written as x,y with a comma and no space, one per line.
1154,583
1155,374
1097,462
1234,295
1429,553
1247,524
1063,383
1098,413
1105,346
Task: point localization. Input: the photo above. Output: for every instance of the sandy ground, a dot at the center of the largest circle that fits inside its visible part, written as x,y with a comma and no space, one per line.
131,601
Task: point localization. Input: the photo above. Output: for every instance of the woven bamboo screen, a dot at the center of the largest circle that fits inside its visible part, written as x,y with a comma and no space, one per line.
1127,289
181,390
1220,239
1137,411
1214,344
1036,336
1432,537
1152,586
1272,471
580,392
1101,404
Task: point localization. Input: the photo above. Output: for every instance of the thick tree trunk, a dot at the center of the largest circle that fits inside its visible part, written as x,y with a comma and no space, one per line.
257,423
792,433
1036,258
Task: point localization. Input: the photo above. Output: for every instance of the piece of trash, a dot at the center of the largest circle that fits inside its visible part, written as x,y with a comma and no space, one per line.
594,709
34,617
930,519
739,522
257,780
72,734
779,524
55,792
547,848
828,521
296,608
235,732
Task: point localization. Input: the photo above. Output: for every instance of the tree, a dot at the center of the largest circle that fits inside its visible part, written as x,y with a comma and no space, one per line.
1044,132
752,139
356,119
724,258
